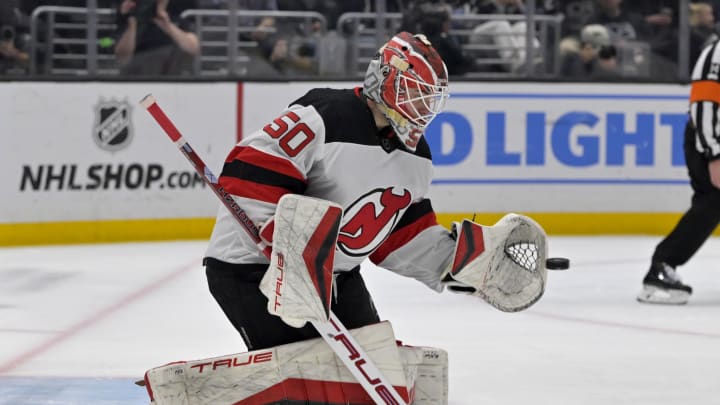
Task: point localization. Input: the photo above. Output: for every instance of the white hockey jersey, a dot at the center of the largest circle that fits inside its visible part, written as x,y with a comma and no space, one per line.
326,145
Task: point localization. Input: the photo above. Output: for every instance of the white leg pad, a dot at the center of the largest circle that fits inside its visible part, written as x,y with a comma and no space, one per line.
428,367
304,371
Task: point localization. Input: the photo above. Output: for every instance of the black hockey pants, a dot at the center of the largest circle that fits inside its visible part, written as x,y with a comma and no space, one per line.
236,289
698,223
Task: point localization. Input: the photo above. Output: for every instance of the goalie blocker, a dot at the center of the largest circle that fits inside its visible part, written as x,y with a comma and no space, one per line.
302,372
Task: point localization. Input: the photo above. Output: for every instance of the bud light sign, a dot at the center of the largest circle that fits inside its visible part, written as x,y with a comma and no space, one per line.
571,137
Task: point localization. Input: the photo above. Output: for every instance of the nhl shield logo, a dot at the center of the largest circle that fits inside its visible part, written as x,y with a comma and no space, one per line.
112,130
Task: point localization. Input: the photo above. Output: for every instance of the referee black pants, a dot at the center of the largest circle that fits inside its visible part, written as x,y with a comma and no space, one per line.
236,288
698,223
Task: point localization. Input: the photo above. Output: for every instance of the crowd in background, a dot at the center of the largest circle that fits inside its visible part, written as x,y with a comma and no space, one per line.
598,39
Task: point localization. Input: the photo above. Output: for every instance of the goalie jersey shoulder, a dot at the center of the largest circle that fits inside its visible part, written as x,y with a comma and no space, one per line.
347,119
325,145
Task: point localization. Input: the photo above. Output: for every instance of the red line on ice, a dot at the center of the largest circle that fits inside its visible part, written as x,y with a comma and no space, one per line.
92,320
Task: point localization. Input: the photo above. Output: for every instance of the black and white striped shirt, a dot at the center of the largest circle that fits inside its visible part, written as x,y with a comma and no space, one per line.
705,99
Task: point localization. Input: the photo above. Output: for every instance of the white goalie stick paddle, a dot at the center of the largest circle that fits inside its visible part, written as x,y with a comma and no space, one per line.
332,331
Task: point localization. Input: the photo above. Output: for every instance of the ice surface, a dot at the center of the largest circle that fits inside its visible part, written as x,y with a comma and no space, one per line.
79,323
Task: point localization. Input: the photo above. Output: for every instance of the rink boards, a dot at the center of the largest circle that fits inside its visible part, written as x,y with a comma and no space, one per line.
84,162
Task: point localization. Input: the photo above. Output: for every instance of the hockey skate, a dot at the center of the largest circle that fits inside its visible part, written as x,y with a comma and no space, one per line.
662,285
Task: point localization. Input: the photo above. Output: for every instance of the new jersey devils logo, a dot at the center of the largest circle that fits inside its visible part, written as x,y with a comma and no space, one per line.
370,219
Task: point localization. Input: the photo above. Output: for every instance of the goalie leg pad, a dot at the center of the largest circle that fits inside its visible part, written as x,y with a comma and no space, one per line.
302,371
298,282
428,368
504,264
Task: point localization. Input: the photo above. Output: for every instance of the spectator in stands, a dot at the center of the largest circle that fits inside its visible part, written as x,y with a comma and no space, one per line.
249,28
577,14
257,25
65,31
264,26
642,49
242,4
716,10
433,20
290,47
657,13
13,60
622,25
702,28
289,53
152,39
509,38
284,47
501,7
596,58
330,9
661,18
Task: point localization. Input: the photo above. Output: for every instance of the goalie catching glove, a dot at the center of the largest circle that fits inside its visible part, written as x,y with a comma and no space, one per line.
503,264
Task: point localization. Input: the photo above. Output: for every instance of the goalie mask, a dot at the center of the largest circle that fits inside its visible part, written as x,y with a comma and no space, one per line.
408,81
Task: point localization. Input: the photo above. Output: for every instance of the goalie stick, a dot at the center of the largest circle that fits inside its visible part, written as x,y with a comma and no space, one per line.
332,331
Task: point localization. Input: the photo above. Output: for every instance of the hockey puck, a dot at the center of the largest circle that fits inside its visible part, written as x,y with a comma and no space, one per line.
557,263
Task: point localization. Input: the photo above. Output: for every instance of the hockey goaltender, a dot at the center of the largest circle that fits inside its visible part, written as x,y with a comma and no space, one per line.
340,176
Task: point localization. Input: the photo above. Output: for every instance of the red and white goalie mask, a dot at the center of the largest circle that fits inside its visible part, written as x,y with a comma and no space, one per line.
408,81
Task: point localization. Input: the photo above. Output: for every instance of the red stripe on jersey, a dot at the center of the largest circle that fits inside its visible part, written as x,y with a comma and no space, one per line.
314,391
265,160
400,237
252,190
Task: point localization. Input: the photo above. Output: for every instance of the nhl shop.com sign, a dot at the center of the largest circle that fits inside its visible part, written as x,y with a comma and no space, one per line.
113,132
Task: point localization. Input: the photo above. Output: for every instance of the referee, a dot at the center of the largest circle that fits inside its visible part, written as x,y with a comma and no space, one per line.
662,285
